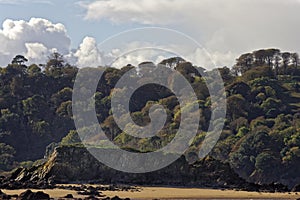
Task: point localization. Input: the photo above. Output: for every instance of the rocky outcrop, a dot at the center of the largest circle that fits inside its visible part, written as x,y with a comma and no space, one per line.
76,164
296,188
29,195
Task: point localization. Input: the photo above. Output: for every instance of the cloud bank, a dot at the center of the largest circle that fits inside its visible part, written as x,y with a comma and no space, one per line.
35,39
226,28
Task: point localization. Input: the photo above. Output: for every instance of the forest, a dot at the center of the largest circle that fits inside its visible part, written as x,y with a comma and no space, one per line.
260,139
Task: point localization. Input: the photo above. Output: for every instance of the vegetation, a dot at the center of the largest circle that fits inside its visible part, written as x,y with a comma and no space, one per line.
261,136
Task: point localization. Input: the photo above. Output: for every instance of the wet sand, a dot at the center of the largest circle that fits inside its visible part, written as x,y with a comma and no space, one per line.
172,193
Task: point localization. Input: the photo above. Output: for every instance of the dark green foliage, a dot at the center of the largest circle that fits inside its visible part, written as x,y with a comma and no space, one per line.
6,156
35,109
71,139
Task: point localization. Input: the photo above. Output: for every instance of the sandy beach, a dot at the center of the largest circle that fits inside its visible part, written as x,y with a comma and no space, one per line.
173,193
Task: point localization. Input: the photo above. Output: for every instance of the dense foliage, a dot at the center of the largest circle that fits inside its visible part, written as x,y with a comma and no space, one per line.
261,136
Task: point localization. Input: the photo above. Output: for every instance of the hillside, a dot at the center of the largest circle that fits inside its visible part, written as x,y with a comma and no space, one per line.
260,139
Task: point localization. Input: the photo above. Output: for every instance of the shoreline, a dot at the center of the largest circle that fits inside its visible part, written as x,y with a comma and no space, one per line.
168,193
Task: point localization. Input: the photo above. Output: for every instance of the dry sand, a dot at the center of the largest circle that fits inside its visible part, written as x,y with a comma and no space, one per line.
173,193
195,193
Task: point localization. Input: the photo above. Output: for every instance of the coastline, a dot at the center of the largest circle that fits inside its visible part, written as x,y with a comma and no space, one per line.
170,193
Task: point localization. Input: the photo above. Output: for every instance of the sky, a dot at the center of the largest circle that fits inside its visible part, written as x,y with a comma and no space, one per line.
83,30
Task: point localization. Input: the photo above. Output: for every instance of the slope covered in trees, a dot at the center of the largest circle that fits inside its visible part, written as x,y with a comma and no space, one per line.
260,139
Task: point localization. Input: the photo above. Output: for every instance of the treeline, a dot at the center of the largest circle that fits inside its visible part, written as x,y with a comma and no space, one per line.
281,63
261,136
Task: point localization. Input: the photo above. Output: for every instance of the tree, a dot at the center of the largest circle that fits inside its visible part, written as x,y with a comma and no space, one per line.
19,60
172,62
226,74
143,68
237,106
269,56
265,56
239,88
272,107
55,60
257,72
65,109
40,127
111,128
244,62
8,120
16,86
277,60
267,163
243,158
286,57
260,57
54,65
62,96
6,156
35,107
295,61
71,139
17,66
33,70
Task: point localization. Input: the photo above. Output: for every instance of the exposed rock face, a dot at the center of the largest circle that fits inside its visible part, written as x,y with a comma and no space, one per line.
75,164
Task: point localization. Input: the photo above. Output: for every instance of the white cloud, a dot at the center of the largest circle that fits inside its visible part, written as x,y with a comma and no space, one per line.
35,38
225,27
142,11
127,49
36,52
88,54
139,55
